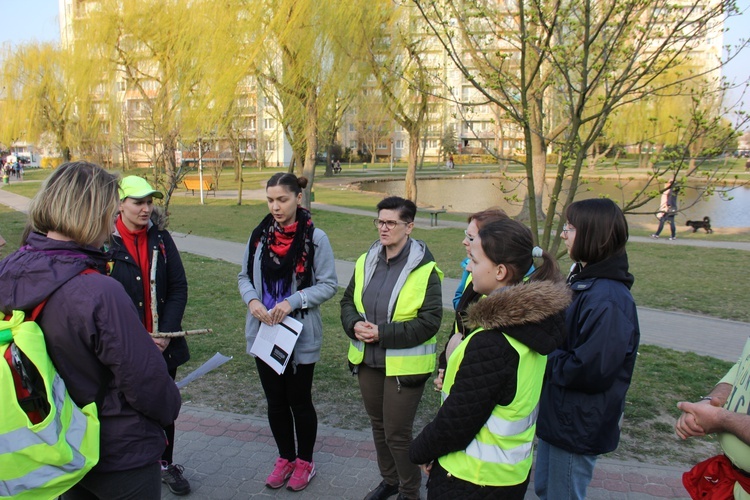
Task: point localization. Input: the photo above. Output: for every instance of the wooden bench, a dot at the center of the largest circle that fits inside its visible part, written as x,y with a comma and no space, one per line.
433,214
193,182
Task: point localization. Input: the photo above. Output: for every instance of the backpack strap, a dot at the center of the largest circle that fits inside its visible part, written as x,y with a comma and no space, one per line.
30,390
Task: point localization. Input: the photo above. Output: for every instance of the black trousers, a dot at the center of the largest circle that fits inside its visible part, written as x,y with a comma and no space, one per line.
290,409
169,431
136,484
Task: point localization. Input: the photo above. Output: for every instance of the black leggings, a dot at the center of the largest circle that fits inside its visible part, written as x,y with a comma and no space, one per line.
290,408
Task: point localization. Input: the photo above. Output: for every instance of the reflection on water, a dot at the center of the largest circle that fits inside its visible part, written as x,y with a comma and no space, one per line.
472,195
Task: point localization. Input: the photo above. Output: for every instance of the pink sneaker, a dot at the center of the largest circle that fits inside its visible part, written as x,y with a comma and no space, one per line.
282,470
303,473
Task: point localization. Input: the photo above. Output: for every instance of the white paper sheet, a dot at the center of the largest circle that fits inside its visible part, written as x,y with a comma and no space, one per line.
216,361
274,344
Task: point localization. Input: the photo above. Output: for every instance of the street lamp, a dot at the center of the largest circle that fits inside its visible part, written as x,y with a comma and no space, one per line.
391,139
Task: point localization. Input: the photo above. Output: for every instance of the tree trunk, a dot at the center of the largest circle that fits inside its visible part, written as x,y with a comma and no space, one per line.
311,136
410,188
238,174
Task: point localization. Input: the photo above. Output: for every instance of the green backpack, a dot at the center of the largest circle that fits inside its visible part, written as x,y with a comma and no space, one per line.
47,449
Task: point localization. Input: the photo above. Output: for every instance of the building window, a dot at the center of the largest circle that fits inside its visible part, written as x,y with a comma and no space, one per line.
269,123
399,144
351,127
352,144
382,145
270,145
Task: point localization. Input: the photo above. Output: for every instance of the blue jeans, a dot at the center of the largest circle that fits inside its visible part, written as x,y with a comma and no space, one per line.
666,218
560,474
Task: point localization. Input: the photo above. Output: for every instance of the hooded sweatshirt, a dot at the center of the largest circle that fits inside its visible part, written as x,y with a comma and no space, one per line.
94,337
587,378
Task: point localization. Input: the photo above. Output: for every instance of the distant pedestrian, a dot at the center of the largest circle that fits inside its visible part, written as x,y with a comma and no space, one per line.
667,210
450,163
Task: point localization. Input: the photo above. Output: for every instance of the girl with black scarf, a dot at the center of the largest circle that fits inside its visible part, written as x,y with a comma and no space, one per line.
288,269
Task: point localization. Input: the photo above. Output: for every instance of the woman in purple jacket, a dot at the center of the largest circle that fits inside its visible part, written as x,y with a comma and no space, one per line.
91,327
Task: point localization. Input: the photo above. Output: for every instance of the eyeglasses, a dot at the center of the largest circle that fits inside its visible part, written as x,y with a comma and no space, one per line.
468,236
568,229
390,224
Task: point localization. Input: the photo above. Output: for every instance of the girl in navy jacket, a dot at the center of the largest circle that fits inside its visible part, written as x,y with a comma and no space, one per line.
587,378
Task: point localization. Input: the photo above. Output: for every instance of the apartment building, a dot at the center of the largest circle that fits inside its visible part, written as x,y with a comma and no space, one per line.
459,118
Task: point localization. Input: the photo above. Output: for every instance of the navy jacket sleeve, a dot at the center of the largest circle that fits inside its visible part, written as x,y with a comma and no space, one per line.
595,357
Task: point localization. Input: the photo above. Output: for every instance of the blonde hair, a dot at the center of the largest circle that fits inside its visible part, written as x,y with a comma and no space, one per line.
79,200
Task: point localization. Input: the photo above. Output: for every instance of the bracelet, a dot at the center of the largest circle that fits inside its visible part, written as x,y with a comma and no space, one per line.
705,398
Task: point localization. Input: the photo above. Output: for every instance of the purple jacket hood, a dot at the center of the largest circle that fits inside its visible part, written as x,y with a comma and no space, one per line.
30,275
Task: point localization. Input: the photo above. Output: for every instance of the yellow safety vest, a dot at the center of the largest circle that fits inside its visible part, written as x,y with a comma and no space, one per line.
46,459
501,452
413,360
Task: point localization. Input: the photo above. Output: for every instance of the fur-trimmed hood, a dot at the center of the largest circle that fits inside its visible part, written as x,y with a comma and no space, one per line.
533,313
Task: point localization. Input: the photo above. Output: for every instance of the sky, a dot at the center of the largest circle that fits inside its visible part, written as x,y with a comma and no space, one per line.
27,20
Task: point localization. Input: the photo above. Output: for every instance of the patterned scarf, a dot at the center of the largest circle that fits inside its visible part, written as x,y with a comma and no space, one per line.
288,253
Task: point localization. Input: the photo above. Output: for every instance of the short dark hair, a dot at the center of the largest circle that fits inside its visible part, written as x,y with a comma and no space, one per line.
290,181
508,242
601,229
406,209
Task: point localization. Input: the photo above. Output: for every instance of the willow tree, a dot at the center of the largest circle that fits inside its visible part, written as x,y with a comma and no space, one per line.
48,90
299,55
578,60
161,66
396,46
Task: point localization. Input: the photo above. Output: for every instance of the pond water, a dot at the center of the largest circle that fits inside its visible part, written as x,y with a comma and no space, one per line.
473,195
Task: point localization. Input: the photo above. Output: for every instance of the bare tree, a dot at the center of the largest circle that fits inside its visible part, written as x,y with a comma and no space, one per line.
561,69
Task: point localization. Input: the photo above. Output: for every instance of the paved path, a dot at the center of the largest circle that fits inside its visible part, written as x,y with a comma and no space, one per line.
227,456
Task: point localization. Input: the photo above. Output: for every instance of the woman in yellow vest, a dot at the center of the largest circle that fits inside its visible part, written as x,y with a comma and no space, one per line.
480,443
391,311
465,294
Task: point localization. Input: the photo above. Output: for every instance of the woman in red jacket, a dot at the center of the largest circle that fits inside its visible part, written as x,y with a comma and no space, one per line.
139,233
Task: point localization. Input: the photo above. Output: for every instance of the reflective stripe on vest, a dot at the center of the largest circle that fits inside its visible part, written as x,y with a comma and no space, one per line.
501,452
409,361
46,459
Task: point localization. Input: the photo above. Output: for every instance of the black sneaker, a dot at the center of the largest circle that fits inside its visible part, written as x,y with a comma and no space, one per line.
175,481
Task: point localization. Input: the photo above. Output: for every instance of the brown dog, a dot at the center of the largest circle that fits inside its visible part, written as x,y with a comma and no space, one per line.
700,224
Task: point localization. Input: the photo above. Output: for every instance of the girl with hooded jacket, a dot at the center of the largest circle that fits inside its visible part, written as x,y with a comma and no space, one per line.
139,231
288,269
92,331
587,378
480,444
